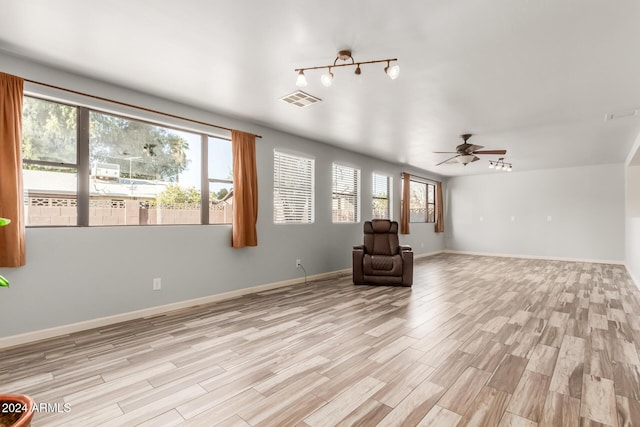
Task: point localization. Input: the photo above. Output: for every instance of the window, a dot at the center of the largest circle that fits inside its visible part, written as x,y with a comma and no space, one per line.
132,172
142,173
293,184
381,191
50,169
423,202
345,194
220,166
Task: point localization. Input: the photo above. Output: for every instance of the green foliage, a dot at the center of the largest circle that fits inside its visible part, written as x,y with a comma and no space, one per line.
49,133
155,152
176,194
217,196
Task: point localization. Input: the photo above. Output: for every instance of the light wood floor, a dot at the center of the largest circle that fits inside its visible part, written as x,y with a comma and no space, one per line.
476,341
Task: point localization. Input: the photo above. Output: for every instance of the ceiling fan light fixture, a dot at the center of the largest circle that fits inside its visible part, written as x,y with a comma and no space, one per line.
465,159
358,70
301,81
491,165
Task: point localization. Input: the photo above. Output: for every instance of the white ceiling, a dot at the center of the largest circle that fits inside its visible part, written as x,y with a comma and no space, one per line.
535,77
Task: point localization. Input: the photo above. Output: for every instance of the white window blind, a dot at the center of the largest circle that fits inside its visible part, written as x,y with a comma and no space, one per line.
381,189
293,186
345,194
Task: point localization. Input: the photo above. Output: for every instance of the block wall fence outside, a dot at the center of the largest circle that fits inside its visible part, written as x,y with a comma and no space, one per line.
127,212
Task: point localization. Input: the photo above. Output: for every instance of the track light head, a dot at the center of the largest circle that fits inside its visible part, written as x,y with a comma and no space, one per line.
301,81
327,79
392,71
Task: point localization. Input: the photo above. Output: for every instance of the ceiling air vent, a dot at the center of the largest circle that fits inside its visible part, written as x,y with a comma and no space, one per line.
300,99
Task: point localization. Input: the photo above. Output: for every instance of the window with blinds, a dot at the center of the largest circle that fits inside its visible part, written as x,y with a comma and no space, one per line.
293,186
345,194
380,203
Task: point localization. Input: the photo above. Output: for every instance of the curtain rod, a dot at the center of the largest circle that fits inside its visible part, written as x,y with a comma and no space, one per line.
419,177
124,104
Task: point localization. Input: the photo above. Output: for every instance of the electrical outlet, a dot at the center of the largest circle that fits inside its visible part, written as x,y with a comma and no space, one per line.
298,263
157,284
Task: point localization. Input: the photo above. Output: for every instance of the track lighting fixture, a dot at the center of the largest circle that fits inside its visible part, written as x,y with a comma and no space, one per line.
344,55
500,164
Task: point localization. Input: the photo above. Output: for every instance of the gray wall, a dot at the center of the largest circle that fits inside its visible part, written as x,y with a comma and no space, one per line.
632,232
586,206
79,274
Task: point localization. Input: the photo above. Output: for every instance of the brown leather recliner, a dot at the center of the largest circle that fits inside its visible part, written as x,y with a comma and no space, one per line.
382,260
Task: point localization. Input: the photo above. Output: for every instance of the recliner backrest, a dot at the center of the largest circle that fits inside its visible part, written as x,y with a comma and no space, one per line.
381,237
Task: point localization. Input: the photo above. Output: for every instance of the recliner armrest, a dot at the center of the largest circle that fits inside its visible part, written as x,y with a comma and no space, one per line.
405,248
358,248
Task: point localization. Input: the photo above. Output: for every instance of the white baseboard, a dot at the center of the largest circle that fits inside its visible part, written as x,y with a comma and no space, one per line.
549,258
633,278
427,254
57,331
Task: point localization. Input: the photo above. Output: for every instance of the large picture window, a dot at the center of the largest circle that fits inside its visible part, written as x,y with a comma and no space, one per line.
142,173
345,194
293,184
119,171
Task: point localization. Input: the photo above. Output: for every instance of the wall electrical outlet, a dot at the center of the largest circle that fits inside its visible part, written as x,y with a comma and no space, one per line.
298,263
157,284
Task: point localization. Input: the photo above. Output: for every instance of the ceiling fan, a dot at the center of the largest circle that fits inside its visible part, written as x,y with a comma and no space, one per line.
466,153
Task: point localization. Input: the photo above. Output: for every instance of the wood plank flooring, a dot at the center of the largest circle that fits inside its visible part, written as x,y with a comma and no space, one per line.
477,341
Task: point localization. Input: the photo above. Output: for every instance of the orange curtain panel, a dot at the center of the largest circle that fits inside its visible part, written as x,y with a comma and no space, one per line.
245,189
12,253
439,226
406,204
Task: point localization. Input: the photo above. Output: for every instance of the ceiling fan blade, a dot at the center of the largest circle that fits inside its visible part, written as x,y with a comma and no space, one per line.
491,152
445,152
448,160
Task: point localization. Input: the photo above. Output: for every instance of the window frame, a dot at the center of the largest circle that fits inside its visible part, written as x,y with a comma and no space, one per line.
356,195
277,153
83,166
389,180
427,204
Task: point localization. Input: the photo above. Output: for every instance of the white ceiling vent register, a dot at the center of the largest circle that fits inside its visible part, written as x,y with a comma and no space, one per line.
300,99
